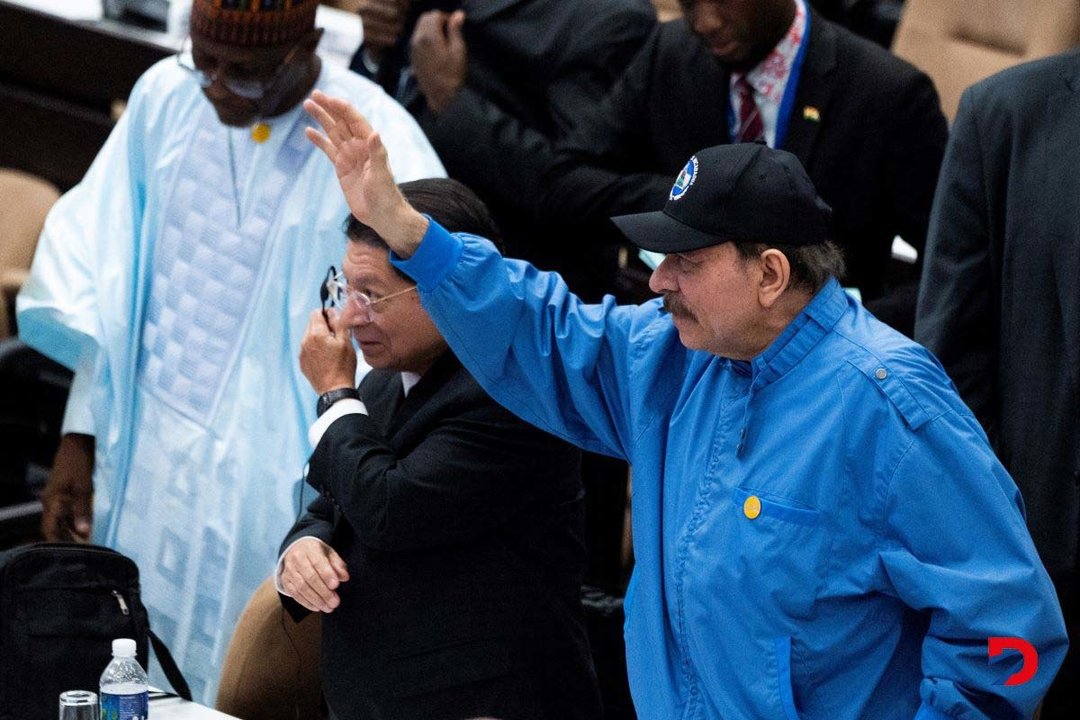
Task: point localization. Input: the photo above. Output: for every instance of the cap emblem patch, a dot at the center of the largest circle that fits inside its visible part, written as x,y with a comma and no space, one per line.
685,180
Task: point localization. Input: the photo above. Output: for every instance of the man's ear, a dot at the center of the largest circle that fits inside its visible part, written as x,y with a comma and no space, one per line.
775,276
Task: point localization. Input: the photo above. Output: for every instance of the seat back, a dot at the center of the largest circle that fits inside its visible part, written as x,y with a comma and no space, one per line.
271,669
24,202
960,42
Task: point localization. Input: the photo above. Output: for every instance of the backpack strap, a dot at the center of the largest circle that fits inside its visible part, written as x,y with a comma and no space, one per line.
169,666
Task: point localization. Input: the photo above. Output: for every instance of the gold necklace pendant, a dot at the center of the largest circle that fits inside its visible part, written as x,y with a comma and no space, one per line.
260,132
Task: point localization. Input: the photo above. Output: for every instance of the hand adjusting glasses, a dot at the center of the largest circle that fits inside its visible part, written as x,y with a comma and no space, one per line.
336,293
243,83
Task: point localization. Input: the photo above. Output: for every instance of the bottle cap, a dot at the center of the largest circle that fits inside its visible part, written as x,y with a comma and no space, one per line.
123,647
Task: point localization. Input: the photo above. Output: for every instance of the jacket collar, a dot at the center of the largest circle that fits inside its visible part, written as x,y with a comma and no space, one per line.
801,335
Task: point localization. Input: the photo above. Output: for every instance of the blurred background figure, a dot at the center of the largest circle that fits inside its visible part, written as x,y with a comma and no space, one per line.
867,126
999,303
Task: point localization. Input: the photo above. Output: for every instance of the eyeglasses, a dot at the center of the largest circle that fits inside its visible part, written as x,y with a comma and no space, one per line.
335,292
249,88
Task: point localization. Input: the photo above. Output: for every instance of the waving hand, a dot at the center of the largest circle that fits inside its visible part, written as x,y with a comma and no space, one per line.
363,171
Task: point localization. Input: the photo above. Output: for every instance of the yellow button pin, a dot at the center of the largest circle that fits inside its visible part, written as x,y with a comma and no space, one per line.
260,132
811,113
752,507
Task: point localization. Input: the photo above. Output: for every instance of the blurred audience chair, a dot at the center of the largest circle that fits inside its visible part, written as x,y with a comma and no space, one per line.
271,669
959,42
24,202
33,391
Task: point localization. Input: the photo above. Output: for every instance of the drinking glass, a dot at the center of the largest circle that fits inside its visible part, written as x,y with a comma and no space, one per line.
78,705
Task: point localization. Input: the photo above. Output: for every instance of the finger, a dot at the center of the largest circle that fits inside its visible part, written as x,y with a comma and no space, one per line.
377,151
82,515
426,26
307,583
454,29
57,518
316,107
295,588
313,600
338,326
315,581
347,115
313,321
383,9
52,525
334,115
338,565
322,142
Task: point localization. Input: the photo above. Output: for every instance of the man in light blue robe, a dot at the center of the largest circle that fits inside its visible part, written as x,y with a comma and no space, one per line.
176,280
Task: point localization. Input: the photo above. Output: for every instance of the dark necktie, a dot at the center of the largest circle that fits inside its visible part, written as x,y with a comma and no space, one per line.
751,128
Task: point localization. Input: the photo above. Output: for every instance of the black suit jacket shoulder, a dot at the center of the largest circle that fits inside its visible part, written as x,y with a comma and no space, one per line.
462,529
998,304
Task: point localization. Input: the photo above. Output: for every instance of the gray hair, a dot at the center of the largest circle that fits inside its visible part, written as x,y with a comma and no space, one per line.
811,265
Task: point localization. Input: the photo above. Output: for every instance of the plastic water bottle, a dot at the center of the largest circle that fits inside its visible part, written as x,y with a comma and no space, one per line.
123,685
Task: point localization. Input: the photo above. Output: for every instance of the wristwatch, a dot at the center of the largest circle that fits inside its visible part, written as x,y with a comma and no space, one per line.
329,398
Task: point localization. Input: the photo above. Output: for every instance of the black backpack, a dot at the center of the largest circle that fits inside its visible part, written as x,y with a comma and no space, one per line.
61,606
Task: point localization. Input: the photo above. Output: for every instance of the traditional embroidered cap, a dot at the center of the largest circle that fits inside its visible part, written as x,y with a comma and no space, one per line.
745,192
252,23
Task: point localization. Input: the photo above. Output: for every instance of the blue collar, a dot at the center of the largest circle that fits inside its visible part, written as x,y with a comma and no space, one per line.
801,335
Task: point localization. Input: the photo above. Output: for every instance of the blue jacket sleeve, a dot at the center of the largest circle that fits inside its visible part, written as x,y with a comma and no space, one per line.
957,549
554,361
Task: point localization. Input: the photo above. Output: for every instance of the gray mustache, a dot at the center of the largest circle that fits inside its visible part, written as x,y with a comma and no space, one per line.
675,306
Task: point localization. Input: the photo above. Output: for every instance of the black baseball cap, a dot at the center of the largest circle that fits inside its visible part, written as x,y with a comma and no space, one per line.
745,192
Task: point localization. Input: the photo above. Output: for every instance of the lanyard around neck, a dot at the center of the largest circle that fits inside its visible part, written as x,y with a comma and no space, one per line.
787,103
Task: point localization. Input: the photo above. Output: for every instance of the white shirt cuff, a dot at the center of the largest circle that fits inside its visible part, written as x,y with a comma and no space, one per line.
347,406
281,562
78,413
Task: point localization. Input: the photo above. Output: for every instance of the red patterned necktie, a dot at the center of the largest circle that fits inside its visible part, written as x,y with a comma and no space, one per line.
751,128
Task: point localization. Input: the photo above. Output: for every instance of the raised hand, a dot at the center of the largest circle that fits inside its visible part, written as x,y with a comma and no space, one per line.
363,171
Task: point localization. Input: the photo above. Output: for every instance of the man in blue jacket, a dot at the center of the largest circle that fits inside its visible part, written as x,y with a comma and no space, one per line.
821,528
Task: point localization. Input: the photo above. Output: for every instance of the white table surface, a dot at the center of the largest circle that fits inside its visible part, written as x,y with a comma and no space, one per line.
173,708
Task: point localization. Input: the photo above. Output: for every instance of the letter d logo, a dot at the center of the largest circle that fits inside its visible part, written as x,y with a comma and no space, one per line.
997,645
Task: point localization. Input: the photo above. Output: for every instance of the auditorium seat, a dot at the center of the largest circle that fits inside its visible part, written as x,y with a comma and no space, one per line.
959,42
271,669
24,202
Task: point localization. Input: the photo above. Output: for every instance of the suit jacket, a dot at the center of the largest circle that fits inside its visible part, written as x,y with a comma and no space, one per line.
873,150
999,303
462,529
534,66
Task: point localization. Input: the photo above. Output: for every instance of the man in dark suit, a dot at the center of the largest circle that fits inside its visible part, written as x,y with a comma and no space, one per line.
493,83
866,125
999,303
446,544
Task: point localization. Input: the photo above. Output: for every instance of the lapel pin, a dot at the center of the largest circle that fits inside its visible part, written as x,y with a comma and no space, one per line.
811,113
